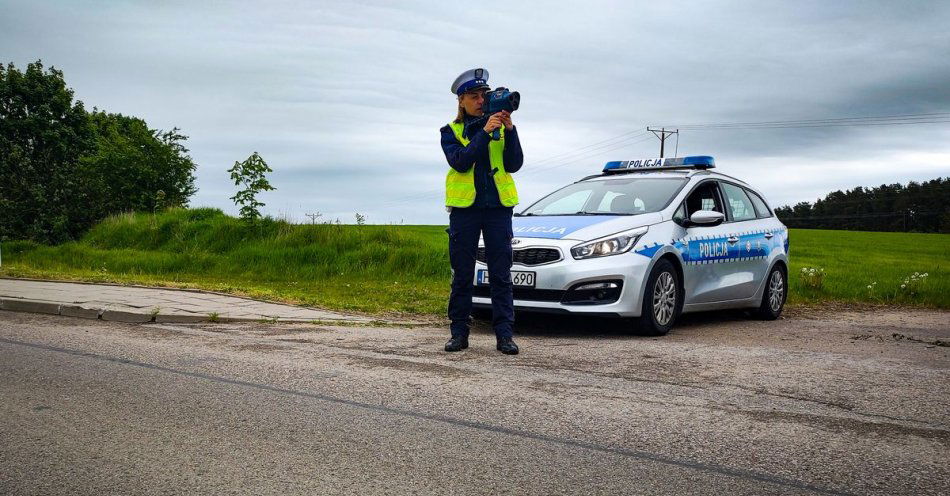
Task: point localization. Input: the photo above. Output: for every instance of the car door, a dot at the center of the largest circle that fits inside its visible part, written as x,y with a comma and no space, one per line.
747,262
705,249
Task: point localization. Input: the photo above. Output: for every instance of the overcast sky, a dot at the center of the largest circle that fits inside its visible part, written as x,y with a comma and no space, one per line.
344,100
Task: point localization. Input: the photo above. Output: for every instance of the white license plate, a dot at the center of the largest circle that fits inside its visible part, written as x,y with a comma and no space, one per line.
518,278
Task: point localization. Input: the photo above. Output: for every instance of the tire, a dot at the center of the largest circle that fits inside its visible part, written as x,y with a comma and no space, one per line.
775,294
662,300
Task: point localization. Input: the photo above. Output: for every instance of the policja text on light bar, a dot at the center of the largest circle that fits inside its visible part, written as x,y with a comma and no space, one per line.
692,162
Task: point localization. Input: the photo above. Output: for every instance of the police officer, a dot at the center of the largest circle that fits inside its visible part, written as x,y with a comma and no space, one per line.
480,195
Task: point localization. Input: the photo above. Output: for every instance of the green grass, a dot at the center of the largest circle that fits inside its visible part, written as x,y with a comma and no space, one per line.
405,269
854,259
365,268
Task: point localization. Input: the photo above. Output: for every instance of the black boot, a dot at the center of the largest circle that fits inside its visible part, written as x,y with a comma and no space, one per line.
456,344
507,346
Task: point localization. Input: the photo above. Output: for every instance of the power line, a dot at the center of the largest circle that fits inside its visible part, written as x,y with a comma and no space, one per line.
894,117
583,156
883,120
625,136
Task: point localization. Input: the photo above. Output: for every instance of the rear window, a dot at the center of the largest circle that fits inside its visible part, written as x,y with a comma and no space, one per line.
739,204
760,207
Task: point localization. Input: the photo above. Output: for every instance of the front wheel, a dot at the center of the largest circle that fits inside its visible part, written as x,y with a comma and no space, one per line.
773,298
662,300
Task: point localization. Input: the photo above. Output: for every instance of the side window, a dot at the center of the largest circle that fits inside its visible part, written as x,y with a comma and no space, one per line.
760,207
739,204
679,216
704,197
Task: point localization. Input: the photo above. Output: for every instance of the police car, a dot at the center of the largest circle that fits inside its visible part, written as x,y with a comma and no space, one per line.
649,238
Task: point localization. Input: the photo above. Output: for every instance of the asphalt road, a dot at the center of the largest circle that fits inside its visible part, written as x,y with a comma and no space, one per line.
841,402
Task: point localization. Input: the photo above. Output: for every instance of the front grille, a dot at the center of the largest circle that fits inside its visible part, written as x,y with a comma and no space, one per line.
527,256
524,294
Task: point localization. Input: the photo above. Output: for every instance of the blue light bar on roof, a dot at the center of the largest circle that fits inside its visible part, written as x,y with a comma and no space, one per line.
693,162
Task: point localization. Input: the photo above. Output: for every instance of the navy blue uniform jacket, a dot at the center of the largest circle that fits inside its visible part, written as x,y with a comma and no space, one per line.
461,159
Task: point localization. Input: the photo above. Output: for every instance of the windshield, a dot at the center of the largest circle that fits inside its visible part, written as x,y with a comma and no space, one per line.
621,196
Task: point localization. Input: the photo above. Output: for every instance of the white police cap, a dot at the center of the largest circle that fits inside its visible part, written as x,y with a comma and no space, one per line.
470,80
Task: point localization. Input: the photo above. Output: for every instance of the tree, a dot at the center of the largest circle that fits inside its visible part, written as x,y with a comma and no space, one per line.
251,174
43,132
64,169
132,163
918,207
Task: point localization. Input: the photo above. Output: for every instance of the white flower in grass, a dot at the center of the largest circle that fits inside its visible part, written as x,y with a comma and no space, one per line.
903,286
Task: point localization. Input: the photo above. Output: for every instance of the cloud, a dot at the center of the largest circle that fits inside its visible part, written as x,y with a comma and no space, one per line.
344,100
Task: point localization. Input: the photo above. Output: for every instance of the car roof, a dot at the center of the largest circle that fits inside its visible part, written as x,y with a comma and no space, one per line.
685,173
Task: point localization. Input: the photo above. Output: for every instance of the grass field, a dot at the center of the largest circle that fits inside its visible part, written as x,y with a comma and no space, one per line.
405,269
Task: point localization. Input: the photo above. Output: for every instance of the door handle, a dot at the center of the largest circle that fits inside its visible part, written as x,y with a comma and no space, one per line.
768,235
733,240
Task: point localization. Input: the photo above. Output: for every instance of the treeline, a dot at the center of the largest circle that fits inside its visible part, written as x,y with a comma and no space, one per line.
917,207
63,168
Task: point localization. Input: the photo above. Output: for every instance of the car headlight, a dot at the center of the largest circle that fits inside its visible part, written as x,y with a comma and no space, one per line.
614,244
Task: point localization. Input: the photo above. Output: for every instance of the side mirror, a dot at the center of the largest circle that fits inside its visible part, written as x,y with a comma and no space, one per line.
706,218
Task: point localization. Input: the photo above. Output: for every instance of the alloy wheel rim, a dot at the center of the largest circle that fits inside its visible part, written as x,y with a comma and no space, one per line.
664,298
776,291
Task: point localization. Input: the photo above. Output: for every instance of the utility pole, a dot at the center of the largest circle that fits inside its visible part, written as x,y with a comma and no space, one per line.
663,133
313,217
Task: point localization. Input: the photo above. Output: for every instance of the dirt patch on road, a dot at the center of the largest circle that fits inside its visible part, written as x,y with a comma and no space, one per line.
409,366
262,347
838,424
284,331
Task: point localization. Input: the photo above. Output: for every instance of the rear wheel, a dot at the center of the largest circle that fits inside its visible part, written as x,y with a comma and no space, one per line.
662,300
773,298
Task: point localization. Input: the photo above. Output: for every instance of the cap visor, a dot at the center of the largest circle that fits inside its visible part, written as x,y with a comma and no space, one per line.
476,88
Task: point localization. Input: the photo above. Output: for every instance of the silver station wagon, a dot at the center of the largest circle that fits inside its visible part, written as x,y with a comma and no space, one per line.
648,239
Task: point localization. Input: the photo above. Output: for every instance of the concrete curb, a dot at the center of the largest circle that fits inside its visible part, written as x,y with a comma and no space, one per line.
67,310
70,309
78,311
130,317
351,318
31,306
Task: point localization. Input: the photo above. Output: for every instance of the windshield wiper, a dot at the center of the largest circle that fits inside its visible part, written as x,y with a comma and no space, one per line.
582,212
524,215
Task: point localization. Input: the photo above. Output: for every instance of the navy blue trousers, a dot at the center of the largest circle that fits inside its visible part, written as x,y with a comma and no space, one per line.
494,224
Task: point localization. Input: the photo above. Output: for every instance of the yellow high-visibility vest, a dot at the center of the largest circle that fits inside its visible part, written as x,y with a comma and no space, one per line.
460,186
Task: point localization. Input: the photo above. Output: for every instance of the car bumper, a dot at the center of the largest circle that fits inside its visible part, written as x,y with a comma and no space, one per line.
554,283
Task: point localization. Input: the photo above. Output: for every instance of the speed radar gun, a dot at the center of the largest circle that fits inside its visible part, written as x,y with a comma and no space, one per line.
496,100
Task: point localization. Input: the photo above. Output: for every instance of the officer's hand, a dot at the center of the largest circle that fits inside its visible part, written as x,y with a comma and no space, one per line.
494,122
506,120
